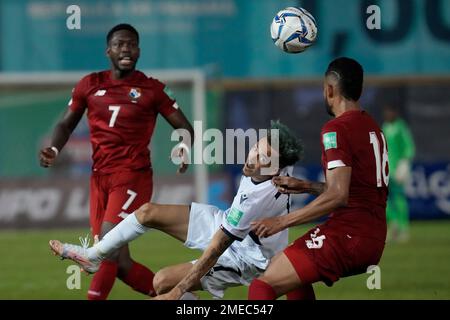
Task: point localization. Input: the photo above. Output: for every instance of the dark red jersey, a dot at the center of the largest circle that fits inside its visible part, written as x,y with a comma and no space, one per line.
121,115
355,140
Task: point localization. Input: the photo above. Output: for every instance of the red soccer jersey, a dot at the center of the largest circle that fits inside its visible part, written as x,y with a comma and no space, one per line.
355,140
121,115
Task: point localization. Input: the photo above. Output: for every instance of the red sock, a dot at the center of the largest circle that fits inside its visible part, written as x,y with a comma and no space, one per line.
259,290
140,278
305,292
103,281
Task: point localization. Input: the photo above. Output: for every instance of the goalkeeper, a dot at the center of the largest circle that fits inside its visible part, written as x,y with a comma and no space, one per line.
401,152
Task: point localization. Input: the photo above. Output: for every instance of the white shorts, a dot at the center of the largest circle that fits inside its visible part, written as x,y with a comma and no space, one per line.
230,270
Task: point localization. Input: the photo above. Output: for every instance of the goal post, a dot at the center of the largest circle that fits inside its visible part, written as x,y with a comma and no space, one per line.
194,79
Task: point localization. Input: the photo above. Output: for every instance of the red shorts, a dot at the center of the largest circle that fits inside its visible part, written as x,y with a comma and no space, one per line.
114,196
326,254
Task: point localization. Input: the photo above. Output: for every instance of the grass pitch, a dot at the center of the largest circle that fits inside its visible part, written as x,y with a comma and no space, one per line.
418,269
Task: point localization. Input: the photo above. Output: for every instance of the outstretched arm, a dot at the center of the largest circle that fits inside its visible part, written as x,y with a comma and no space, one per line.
334,196
219,243
293,185
61,134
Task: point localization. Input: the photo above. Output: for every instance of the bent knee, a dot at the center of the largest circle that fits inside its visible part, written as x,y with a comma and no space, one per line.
146,214
163,282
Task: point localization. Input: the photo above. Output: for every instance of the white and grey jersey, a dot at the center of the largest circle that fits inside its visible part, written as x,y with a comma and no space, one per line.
256,201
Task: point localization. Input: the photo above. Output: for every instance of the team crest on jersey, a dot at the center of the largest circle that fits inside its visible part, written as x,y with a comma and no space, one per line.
135,93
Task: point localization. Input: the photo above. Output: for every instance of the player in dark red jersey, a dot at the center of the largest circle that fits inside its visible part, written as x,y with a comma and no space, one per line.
355,162
122,105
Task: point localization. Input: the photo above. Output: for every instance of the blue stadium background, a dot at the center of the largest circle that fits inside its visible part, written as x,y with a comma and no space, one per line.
249,82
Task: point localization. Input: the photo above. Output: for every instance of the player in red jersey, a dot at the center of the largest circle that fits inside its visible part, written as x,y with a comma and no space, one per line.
122,105
355,162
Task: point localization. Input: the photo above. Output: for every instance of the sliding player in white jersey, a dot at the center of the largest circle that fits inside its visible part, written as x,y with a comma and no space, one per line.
224,262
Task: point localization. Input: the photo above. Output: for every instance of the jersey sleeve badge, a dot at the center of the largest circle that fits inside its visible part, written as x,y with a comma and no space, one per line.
329,140
234,217
169,92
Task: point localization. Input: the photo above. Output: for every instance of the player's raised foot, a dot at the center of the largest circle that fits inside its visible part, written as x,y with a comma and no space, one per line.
76,253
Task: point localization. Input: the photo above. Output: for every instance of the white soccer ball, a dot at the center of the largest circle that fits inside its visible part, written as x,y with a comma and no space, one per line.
293,30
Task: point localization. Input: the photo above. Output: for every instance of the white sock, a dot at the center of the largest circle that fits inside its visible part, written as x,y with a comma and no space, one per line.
127,230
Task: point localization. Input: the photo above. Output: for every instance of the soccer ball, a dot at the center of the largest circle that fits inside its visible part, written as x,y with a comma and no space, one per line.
293,30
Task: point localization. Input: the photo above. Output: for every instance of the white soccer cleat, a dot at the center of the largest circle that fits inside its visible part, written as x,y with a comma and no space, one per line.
76,253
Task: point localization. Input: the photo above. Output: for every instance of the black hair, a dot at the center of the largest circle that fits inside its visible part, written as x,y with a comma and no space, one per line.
349,74
290,148
122,26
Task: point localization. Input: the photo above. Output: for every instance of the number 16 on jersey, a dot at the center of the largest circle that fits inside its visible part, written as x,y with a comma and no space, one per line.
381,161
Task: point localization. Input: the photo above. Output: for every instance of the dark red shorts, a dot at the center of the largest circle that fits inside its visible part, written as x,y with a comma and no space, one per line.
326,254
114,196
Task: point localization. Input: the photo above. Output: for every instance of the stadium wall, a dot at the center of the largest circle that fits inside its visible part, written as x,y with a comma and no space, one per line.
228,38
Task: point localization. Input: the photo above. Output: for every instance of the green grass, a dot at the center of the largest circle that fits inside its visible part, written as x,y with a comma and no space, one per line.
419,269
